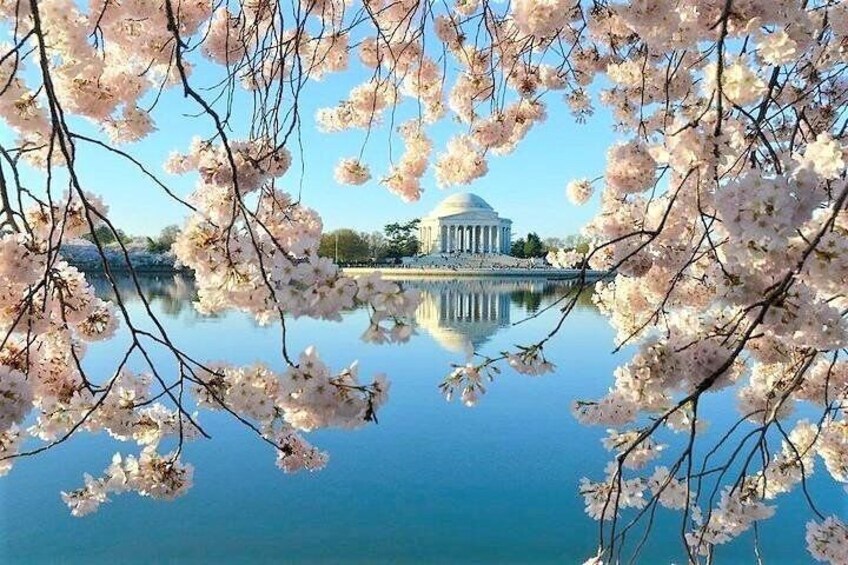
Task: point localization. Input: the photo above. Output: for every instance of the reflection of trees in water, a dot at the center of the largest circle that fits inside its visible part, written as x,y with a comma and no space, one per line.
532,300
172,292
546,288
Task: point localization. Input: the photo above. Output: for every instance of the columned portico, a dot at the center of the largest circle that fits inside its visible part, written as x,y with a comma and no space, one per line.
464,223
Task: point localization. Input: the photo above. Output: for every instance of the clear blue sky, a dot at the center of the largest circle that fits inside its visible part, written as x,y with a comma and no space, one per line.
527,186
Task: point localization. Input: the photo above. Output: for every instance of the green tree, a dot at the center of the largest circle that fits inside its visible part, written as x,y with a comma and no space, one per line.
105,235
517,248
402,240
533,246
163,242
577,242
377,246
345,246
553,243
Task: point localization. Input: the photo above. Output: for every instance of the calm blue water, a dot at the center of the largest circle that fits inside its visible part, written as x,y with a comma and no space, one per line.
432,483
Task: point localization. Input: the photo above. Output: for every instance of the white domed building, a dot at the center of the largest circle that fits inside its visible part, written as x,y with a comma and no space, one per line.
464,223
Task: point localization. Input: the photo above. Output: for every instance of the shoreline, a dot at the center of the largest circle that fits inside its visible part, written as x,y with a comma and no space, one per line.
395,273
87,259
122,269
436,272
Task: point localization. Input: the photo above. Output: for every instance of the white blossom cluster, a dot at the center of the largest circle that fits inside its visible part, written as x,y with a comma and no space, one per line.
579,191
352,171
150,474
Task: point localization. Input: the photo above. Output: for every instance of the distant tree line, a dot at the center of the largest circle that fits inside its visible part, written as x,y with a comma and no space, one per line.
533,246
106,236
400,239
158,244
347,246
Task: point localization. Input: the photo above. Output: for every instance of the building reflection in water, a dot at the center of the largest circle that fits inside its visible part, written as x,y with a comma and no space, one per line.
462,315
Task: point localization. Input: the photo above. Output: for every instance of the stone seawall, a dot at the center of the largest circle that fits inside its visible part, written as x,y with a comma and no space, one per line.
86,257
418,272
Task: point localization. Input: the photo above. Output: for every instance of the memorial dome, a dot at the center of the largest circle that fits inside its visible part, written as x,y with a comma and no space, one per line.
460,203
464,223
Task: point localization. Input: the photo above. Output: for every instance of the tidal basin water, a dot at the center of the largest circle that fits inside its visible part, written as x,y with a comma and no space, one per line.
433,482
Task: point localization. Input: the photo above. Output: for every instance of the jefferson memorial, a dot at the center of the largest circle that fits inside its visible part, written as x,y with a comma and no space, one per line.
464,223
